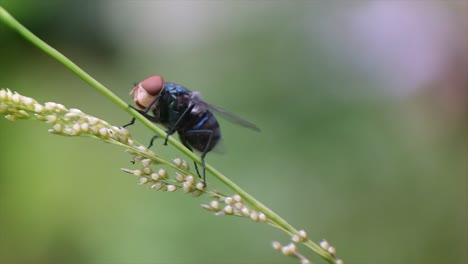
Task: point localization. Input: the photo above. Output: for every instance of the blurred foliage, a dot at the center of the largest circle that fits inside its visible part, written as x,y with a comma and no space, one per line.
382,179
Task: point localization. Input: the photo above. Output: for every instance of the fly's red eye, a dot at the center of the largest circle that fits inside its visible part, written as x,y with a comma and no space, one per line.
153,84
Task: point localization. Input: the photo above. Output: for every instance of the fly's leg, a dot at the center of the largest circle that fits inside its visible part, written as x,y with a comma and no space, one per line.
173,129
152,141
205,150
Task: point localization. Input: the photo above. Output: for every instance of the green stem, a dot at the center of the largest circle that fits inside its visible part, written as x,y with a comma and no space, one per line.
28,35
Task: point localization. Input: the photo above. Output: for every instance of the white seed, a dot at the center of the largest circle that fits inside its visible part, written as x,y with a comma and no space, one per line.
157,185
57,128
237,198
196,193
147,170
142,148
15,98
179,177
207,207
163,173
137,173
184,165
155,176
228,209
11,117
3,94
200,186
305,261
127,170
60,107
171,188
292,247
302,234
177,162
239,206
27,101
145,162
92,120
245,211
77,127
103,132
324,244
49,106
254,216
94,130
262,217
332,250
229,200
69,131
76,111
143,180
214,204
220,213
296,239
187,186
130,142
84,127
38,108
286,251
51,119
69,116
189,178
339,261
276,245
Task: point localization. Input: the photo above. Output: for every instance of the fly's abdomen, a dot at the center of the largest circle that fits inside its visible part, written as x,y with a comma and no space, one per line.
203,133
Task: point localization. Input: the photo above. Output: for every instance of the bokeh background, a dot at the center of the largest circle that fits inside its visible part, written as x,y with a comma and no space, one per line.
362,106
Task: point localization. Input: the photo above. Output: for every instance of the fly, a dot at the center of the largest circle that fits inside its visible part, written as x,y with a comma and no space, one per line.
183,111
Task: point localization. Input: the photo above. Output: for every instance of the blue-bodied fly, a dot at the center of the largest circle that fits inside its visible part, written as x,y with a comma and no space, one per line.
183,111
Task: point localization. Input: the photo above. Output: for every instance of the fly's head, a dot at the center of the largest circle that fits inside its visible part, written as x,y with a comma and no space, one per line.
146,91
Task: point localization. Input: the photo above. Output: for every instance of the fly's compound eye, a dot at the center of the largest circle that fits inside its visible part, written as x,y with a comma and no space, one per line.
147,90
153,84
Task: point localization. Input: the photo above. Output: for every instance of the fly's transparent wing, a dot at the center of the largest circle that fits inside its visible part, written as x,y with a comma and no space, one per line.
196,98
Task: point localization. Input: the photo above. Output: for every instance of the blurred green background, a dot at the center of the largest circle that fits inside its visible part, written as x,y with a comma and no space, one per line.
355,147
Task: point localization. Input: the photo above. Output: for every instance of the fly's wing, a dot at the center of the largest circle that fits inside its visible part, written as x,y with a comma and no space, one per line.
197,100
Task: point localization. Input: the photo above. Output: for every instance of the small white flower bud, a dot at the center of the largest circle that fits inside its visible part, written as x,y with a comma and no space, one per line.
302,234
137,173
286,250
94,130
189,178
332,251
103,132
38,108
51,119
262,217
145,162
49,106
57,128
296,238
92,120
214,204
237,198
142,148
324,244
305,261
77,127
11,117
184,165
143,180
339,261
157,185
276,245
220,213
187,186
197,193
254,216
147,170
207,207
292,247
84,127
200,186
3,94
15,98
245,211
27,101
60,107
163,173
177,162
228,209
155,176
239,206
179,177
171,188
69,131
75,111
229,200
